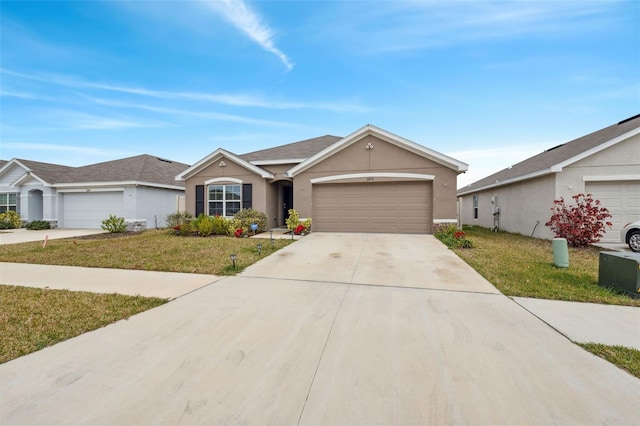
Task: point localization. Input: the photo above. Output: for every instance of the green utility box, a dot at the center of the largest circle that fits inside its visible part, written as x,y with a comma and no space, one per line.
620,270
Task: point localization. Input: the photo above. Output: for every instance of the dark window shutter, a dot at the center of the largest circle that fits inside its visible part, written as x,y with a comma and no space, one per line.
246,195
199,200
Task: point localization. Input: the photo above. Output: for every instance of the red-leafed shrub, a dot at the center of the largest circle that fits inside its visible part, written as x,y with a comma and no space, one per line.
581,224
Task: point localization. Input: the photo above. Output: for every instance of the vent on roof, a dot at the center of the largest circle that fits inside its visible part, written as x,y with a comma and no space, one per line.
628,119
555,147
164,159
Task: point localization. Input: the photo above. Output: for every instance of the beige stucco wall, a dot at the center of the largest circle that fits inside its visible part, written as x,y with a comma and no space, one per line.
384,157
231,170
522,206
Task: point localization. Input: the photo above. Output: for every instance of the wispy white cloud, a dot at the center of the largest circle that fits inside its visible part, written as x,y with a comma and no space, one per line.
82,121
418,25
238,13
34,146
244,100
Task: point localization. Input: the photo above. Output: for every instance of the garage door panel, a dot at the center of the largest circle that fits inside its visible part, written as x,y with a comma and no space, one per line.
392,207
622,199
88,210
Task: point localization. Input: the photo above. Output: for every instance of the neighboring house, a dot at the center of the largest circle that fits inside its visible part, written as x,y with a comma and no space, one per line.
369,181
142,189
519,199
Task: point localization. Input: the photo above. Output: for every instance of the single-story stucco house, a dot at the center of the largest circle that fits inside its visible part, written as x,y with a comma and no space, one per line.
369,181
142,189
519,199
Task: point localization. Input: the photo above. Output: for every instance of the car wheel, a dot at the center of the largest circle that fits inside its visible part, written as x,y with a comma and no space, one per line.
634,241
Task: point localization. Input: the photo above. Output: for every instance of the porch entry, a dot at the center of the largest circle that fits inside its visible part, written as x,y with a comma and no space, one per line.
286,191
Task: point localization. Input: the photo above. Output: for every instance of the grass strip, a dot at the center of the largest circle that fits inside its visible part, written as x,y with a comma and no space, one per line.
626,358
522,266
34,318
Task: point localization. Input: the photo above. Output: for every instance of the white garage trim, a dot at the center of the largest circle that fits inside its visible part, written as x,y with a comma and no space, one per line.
63,191
609,178
415,176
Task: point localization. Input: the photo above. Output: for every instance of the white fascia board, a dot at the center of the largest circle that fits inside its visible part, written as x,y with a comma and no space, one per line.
558,167
275,162
214,156
370,129
89,190
507,182
91,185
609,178
415,176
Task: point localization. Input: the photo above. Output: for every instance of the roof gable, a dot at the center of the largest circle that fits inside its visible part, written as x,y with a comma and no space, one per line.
295,152
215,156
555,159
46,173
369,129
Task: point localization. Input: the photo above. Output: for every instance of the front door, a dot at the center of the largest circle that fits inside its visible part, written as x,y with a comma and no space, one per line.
287,202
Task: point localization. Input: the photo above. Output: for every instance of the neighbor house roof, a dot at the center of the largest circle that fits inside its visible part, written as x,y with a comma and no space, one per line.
139,169
554,159
293,152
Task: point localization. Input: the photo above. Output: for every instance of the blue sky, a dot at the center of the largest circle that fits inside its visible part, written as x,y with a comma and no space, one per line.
489,83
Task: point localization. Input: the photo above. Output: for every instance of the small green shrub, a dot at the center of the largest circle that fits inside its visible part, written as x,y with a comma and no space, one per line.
178,218
204,225
453,237
234,225
10,220
293,220
35,225
221,225
250,216
307,224
114,224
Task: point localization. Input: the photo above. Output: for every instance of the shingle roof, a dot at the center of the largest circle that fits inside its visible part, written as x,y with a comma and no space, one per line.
555,155
48,172
296,150
141,168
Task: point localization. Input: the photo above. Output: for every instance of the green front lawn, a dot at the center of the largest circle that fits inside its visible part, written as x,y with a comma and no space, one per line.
522,266
34,318
152,250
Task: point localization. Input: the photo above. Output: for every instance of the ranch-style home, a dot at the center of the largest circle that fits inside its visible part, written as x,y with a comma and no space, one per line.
519,199
369,181
142,189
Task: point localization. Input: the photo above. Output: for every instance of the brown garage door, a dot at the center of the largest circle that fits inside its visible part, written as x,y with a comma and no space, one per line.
394,207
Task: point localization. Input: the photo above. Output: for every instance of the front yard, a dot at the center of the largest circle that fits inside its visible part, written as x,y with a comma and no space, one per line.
522,266
153,250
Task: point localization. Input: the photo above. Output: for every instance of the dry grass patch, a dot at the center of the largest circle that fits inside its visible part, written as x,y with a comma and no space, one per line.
33,318
152,250
626,358
522,266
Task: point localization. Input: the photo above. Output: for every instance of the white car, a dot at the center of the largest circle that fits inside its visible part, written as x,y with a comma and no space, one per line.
630,234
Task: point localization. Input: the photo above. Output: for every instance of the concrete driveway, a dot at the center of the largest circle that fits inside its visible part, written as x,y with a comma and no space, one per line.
23,235
332,330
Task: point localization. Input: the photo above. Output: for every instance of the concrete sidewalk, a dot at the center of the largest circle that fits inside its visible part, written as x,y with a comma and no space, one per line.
23,235
588,322
166,285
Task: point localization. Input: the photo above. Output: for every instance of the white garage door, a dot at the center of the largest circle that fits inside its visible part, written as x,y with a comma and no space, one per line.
89,209
392,207
622,198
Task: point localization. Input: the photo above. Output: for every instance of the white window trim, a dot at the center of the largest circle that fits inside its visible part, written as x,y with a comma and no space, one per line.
218,182
222,179
7,204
